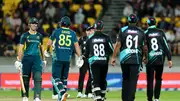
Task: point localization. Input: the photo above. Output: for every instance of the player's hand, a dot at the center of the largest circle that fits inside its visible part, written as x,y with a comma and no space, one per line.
170,64
18,65
79,62
44,63
145,60
46,54
113,61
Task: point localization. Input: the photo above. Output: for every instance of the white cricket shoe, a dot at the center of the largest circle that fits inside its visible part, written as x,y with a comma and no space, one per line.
68,96
25,99
90,95
37,99
79,95
84,96
64,97
156,100
55,97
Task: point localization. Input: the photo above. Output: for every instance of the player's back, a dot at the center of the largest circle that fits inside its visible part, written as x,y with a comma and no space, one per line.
132,40
99,48
155,39
64,44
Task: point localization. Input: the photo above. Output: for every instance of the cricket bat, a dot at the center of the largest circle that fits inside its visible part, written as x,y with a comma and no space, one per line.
22,83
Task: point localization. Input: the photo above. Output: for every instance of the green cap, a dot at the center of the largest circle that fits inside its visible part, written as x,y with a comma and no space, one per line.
33,20
65,21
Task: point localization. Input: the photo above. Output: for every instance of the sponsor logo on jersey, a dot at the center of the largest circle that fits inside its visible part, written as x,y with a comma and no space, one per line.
100,58
132,51
98,40
155,53
65,32
153,34
132,31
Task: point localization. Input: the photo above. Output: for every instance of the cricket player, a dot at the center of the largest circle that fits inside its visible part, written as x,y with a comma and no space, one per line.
31,59
157,50
65,42
98,50
85,67
130,41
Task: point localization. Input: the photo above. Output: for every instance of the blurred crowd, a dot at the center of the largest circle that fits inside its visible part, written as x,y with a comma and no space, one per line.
167,13
14,16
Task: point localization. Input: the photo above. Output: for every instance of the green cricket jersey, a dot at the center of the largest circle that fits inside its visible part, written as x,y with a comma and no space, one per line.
32,43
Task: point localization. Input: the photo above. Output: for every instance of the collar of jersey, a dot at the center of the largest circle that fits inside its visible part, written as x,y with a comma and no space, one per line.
154,26
31,33
64,28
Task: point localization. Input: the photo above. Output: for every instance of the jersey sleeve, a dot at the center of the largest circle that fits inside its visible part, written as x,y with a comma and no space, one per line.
80,41
52,37
22,39
86,53
41,39
166,47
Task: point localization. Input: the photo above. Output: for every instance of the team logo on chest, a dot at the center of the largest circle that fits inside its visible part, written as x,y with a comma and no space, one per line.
37,37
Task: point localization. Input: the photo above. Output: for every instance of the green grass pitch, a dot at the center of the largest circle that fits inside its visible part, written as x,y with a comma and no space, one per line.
14,95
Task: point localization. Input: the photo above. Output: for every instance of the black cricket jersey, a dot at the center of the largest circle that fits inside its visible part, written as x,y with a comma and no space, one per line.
82,43
157,46
132,40
98,48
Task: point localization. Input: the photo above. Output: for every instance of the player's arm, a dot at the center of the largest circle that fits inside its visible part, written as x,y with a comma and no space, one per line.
116,48
21,47
77,48
86,54
111,48
145,49
50,41
20,52
18,63
167,50
42,50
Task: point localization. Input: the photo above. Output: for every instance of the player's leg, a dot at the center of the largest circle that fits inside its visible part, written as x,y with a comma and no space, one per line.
150,81
134,74
125,82
26,71
65,72
37,76
89,85
55,94
158,77
58,84
104,70
82,74
95,70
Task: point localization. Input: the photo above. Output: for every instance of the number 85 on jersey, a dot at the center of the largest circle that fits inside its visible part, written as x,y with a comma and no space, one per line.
64,40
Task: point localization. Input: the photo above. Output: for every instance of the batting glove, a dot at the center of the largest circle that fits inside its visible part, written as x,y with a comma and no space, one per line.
79,62
46,54
18,65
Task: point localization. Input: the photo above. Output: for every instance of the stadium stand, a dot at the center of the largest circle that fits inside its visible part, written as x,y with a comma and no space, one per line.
15,14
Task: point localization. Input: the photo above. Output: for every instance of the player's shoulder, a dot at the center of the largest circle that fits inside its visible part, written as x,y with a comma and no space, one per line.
160,30
124,28
25,34
106,35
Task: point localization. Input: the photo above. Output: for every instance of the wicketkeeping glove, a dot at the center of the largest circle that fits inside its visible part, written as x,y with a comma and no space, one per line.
18,65
80,62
